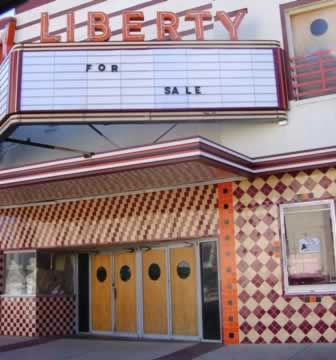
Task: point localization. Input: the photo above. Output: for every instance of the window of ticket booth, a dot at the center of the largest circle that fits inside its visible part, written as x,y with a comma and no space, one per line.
309,247
39,273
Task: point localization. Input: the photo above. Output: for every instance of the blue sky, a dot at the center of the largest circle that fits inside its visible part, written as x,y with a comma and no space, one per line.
7,13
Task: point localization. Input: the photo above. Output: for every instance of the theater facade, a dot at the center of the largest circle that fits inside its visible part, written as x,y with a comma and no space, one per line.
167,170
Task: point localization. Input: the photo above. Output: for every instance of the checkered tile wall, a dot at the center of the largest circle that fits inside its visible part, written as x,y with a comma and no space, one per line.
265,314
161,215
2,269
40,316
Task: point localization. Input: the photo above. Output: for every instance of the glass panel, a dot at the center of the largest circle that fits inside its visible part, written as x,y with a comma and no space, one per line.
154,271
101,274
183,269
310,249
55,274
319,27
125,273
210,294
20,274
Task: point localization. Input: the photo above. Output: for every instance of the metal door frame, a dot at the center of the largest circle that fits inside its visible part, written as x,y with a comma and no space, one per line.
139,290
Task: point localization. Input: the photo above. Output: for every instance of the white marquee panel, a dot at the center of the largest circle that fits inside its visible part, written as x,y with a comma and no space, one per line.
145,79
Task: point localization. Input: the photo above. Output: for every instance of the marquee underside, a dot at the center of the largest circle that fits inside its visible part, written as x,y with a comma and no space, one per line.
191,161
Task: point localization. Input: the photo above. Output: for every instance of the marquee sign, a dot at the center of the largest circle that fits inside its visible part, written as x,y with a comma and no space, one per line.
148,78
142,82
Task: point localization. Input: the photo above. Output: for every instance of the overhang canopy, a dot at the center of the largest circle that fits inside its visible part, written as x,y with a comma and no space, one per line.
144,168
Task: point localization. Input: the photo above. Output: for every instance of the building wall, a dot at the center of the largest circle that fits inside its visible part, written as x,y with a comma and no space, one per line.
254,306
266,315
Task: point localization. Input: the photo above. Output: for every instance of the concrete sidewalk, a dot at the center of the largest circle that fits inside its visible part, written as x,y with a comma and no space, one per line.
274,352
97,349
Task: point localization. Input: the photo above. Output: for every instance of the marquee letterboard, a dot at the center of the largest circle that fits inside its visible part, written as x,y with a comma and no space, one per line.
149,79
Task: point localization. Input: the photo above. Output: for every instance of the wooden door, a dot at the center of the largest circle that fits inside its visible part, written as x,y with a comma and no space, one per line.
305,24
184,291
101,293
154,292
125,292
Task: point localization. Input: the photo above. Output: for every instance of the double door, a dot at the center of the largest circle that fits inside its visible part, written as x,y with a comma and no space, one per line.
146,293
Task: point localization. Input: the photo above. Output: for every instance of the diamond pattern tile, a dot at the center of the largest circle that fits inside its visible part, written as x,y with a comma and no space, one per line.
269,316
161,215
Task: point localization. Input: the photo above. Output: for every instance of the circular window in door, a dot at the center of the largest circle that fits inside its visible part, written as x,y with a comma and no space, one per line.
101,274
154,271
183,269
319,27
125,273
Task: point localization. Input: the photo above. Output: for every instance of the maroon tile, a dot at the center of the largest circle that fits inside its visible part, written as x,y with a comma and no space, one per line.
258,296
252,191
260,340
254,220
274,327
242,266
245,327
280,187
305,327
333,308
238,193
257,280
321,327
244,296
304,310
240,221
266,189
290,327
239,207
295,186
273,296
268,219
255,235
241,251
272,280
256,266
289,311
273,311
291,340
269,234
325,182
310,184
259,327
305,340
320,310
256,250
243,281
267,203
271,265
241,236
245,312
333,327
322,339
259,311
275,340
